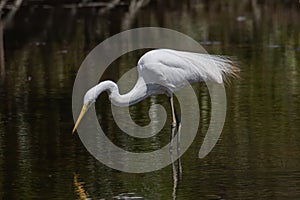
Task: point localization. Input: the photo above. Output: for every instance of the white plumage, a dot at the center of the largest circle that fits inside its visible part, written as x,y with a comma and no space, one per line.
164,71
172,68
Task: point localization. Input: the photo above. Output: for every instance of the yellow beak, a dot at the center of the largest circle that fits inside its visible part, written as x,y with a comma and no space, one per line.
83,111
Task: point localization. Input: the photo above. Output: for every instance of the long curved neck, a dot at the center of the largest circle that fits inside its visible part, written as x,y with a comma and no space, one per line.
138,93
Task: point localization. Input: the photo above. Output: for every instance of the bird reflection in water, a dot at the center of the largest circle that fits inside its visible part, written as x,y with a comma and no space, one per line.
176,173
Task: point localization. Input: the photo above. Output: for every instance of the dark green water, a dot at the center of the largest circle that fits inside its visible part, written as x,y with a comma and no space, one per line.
257,156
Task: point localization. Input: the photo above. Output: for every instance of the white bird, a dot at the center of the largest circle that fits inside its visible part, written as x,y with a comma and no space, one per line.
164,71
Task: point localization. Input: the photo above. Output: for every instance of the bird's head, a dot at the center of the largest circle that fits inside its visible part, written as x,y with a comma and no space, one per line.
88,100
91,95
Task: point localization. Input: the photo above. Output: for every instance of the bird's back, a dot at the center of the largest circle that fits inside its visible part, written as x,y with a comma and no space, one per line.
174,69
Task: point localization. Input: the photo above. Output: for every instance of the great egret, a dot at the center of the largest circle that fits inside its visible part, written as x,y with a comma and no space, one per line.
164,71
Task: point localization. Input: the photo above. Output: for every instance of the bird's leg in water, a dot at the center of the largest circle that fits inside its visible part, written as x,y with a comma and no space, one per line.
173,125
178,149
175,175
173,129
175,120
